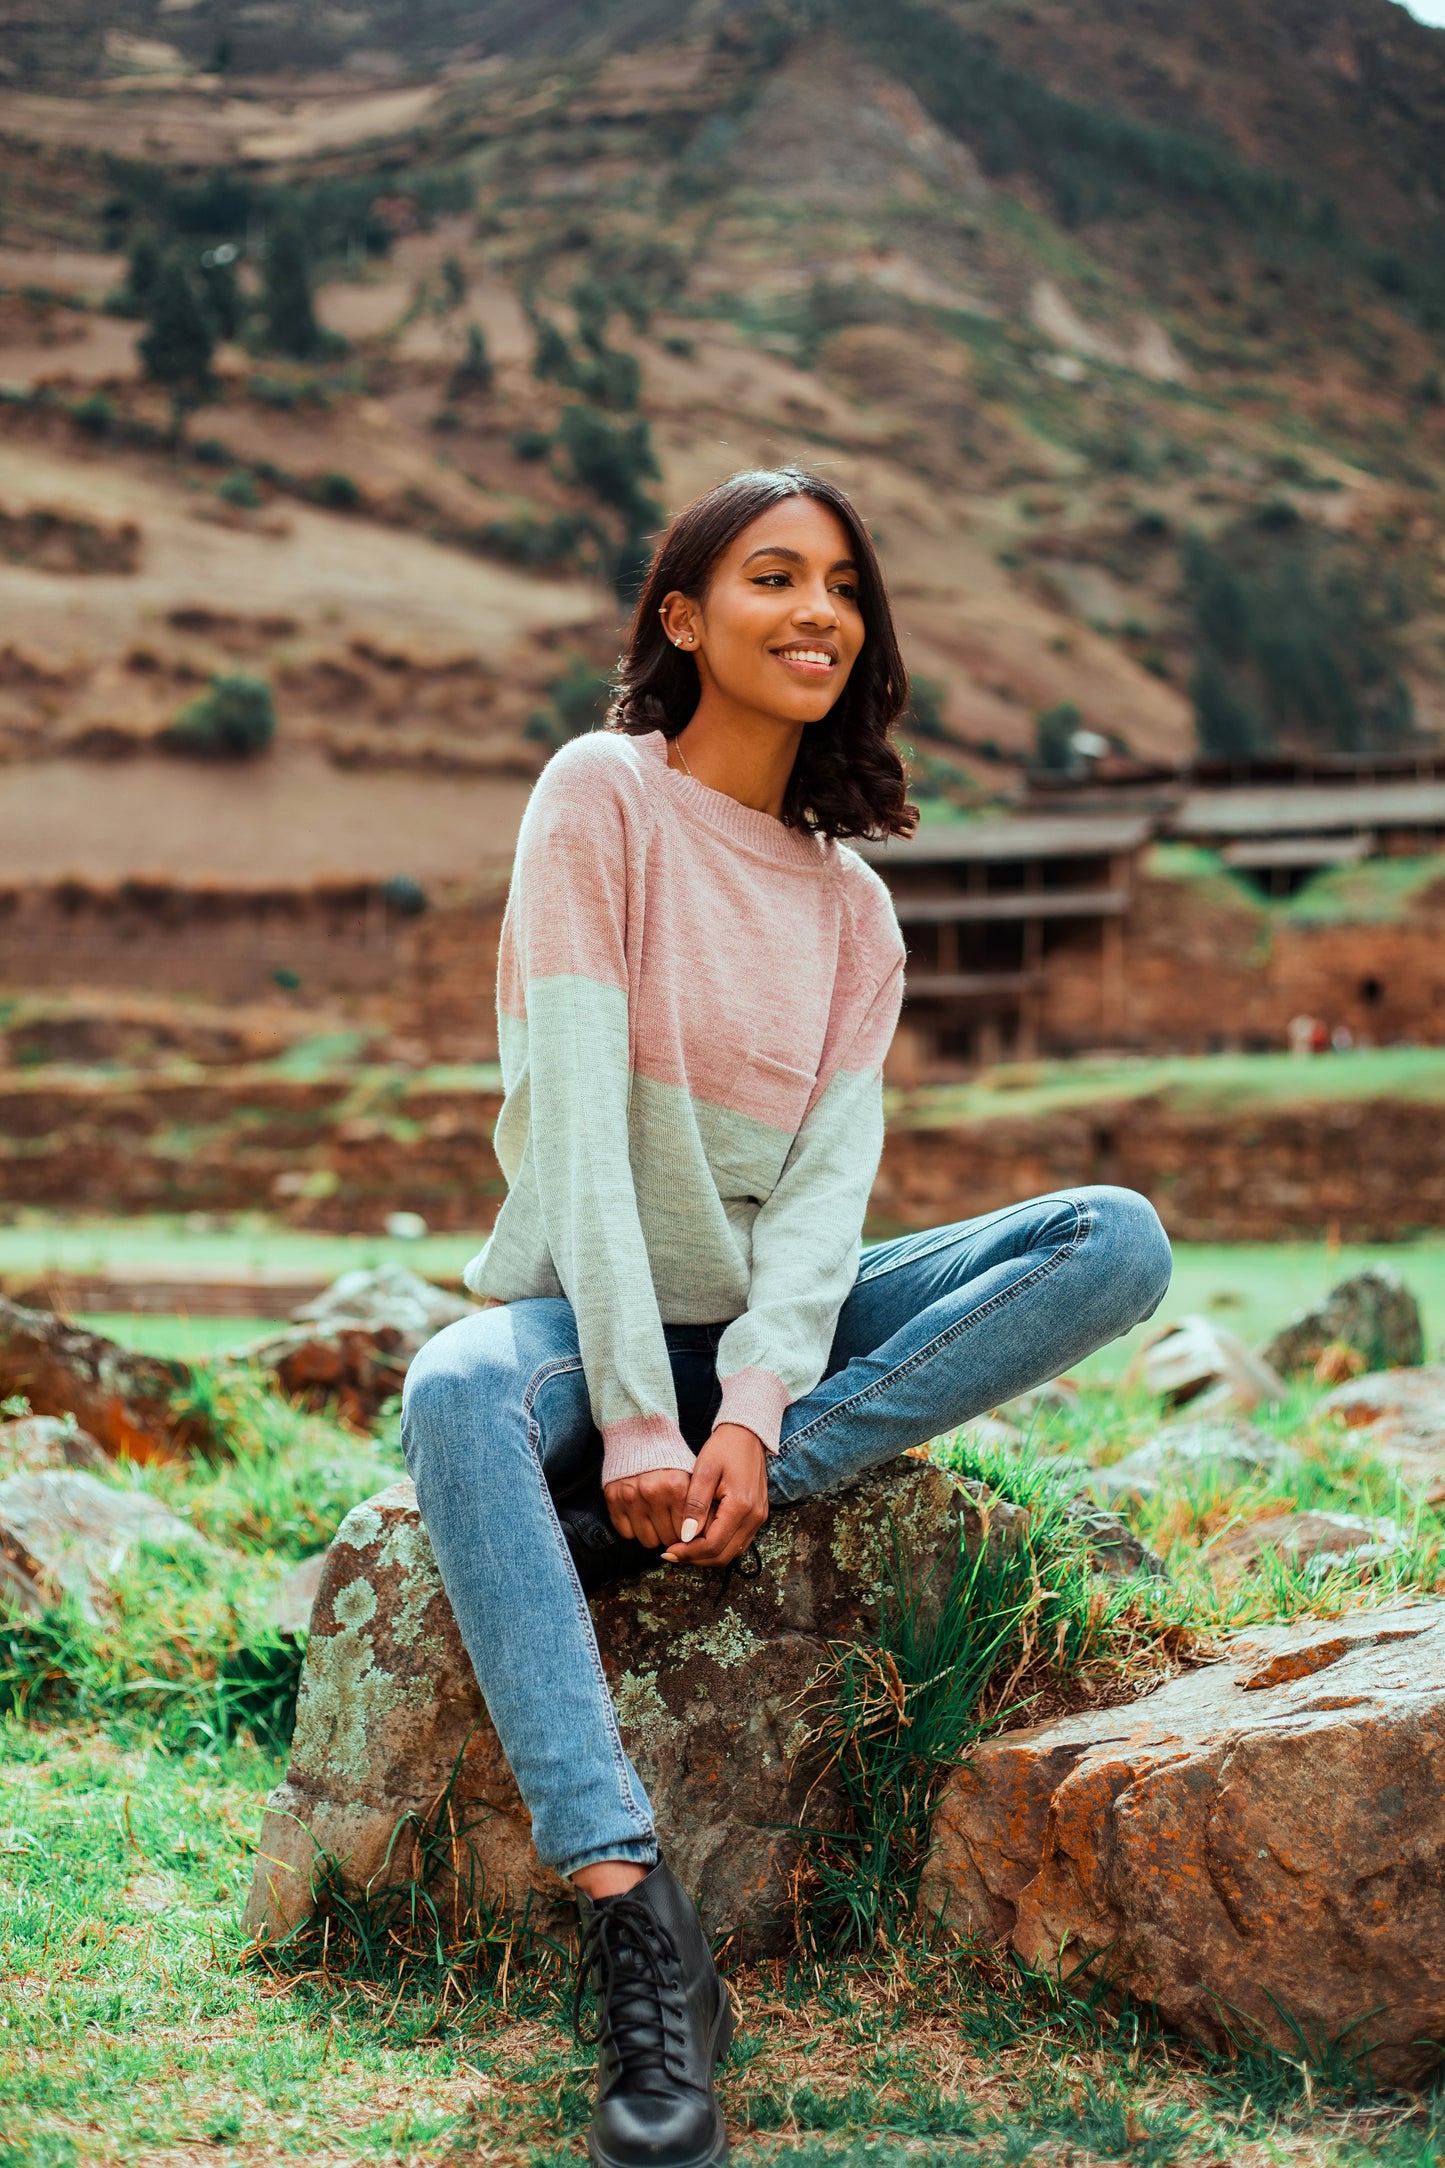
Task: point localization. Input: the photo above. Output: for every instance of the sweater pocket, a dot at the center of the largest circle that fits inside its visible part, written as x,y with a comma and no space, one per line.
754,1132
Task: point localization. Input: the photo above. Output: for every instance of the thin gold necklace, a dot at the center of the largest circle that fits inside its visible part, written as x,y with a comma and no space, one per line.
677,748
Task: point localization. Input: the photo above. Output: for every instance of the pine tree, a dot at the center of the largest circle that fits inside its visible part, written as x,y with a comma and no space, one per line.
178,342
291,326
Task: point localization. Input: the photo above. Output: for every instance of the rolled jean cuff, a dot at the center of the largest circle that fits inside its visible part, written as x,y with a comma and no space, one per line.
637,1851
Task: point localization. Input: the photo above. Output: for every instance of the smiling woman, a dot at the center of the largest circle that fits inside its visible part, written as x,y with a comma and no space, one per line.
698,982
748,652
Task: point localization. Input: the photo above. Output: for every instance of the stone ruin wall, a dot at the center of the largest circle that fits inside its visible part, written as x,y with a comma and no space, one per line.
1197,975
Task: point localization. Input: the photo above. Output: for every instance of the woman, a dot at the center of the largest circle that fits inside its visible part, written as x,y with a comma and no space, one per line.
698,984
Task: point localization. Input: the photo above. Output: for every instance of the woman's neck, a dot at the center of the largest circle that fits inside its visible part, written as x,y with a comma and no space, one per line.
746,757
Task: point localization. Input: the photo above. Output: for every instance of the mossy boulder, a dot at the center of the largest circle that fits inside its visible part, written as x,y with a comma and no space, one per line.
709,1672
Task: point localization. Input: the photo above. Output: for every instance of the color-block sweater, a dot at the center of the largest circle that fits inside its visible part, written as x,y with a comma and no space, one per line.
694,1002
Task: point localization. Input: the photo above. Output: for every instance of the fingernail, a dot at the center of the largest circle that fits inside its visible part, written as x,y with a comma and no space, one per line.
689,1530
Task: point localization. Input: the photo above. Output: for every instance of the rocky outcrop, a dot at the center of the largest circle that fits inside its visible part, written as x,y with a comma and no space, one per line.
1399,1416
1373,1313
1259,1842
125,1400
352,1346
1186,1455
63,1533
47,1441
708,1673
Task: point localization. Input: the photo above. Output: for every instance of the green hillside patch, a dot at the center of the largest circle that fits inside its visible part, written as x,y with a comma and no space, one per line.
1224,1084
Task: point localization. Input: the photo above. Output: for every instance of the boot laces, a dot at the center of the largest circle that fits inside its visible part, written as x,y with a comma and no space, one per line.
635,1964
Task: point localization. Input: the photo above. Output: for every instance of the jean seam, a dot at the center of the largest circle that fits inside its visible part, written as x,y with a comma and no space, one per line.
561,1366
946,1236
1061,1256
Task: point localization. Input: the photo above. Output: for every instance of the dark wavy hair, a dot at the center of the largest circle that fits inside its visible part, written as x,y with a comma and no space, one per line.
848,779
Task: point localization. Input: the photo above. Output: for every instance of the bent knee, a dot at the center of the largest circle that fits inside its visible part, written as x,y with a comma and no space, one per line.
1140,1259
454,1373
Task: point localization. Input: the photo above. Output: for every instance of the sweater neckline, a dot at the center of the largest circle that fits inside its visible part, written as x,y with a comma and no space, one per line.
743,824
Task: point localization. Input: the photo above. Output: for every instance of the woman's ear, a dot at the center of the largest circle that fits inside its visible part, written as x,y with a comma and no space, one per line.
679,620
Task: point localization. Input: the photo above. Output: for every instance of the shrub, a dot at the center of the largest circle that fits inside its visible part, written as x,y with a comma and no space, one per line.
240,489
179,341
291,326
611,460
95,415
142,271
1054,736
211,452
1296,639
338,492
234,718
474,371
531,443
404,895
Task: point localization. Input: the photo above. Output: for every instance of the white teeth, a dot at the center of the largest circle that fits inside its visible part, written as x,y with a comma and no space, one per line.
805,654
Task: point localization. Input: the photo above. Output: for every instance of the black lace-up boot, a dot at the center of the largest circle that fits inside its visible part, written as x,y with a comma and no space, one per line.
663,2020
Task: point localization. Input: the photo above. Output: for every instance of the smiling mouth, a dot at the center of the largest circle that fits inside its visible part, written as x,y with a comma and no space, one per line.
813,659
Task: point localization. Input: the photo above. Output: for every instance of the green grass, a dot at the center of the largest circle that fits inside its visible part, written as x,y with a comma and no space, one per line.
1253,1287
1190,1083
193,1339
37,1243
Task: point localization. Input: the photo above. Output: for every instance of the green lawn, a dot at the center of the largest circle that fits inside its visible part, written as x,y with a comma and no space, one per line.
1204,1083
1250,1287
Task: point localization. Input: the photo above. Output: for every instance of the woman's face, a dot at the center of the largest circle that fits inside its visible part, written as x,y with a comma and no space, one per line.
779,627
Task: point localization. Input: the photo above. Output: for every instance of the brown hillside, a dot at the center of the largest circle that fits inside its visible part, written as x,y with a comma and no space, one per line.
1041,372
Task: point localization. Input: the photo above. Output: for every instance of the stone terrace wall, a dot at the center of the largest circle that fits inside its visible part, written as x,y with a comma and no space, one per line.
1202,971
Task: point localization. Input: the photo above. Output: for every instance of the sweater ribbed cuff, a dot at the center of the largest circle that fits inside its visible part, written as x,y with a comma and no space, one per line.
757,1400
643,1442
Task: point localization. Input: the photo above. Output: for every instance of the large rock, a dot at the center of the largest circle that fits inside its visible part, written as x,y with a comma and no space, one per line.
1400,1418
62,1532
1263,1837
1192,1455
1192,1361
1372,1312
708,1673
124,1399
354,1343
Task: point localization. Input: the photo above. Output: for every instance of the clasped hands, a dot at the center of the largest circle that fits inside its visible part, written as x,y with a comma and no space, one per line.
707,1518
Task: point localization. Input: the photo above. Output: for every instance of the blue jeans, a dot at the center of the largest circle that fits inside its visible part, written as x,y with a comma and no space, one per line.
939,1327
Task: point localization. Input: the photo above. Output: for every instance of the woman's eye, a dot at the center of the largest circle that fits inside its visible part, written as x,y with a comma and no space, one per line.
846,587
771,579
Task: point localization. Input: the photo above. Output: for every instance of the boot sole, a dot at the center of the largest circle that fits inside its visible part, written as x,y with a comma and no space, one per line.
717,2152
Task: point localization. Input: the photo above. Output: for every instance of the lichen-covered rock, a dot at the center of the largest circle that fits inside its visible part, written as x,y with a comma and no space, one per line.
708,1672
1372,1312
353,1345
1259,1843
125,1399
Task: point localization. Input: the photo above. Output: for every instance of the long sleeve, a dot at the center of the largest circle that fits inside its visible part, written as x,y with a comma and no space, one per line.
806,1237
565,1015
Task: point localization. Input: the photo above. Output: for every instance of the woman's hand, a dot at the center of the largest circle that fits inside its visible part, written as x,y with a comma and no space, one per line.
648,1507
726,1502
